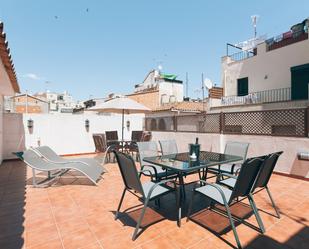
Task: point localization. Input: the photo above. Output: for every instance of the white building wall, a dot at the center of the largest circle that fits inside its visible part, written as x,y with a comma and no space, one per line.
5,89
266,70
65,133
1,127
171,89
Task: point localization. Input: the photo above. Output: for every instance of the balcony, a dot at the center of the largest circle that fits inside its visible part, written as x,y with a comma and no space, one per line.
267,96
285,39
241,53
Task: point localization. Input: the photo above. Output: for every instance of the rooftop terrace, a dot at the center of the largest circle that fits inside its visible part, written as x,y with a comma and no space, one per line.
75,214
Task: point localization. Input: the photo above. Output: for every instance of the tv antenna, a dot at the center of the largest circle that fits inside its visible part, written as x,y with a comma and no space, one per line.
187,83
47,85
208,83
254,19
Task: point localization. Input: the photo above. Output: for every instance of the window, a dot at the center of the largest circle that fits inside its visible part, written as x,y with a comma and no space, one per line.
242,86
162,126
153,124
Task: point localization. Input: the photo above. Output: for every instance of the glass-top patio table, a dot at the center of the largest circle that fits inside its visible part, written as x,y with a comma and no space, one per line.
181,164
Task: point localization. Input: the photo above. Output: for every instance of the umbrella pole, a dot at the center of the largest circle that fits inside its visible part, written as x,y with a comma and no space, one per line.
122,143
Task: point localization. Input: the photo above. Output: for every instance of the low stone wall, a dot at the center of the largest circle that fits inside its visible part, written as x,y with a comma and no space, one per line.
259,145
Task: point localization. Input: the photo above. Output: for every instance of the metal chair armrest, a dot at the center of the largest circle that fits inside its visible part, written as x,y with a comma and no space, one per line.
228,175
154,168
158,184
145,170
218,189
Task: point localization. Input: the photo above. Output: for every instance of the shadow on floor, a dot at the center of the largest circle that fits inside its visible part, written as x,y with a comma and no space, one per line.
300,240
69,178
12,204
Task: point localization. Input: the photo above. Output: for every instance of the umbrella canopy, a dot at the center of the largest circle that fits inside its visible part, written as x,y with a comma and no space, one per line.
121,105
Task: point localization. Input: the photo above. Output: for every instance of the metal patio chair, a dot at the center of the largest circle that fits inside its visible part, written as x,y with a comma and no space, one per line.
131,147
224,196
262,179
36,162
112,139
149,149
101,146
168,147
146,191
231,148
51,156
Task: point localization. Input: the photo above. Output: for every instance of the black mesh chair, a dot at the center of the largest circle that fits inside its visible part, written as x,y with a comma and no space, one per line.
131,147
168,147
112,139
101,145
149,149
224,196
146,191
263,178
231,148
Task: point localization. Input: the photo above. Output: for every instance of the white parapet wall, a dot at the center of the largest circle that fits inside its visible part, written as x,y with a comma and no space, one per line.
259,145
65,133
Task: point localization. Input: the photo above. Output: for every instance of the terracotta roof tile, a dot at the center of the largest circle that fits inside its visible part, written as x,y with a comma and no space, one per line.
184,106
5,57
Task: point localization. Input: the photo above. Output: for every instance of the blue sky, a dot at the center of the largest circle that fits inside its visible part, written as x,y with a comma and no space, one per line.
112,45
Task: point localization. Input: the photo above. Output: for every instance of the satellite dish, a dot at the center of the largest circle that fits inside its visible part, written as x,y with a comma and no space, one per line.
208,83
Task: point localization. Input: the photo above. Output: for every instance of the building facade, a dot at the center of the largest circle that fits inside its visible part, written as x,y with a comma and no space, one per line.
277,69
8,80
59,102
25,103
158,89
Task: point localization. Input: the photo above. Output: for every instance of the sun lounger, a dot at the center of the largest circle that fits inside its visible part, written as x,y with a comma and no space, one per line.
36,162
52,157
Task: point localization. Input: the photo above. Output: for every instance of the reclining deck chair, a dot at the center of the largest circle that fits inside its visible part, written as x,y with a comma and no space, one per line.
36,162
51,156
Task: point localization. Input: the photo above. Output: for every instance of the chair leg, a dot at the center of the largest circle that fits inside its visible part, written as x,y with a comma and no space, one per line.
177,204
256,213
233,226
120,203
158,202
190,205
272,202
140,219
33,178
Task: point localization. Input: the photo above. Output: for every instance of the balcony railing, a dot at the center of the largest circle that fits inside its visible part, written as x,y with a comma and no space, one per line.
285,39
267,96
241,54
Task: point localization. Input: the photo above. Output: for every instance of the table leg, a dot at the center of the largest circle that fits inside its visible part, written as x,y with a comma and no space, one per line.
181,197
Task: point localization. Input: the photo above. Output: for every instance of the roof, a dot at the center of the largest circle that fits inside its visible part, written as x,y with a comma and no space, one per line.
184,106
30,96
120,105
7,60
148,90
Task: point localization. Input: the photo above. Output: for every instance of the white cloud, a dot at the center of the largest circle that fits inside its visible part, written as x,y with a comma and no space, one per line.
32,76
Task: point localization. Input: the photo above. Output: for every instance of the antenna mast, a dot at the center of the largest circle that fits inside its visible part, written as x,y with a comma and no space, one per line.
203,94
254,19
187,83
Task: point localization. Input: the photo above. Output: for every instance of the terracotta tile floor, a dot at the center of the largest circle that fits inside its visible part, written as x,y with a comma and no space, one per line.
72,213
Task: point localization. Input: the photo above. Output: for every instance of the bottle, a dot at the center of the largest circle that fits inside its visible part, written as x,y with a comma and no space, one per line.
196,140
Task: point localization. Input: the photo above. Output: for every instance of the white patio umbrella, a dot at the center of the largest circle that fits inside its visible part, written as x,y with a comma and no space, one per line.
122,105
